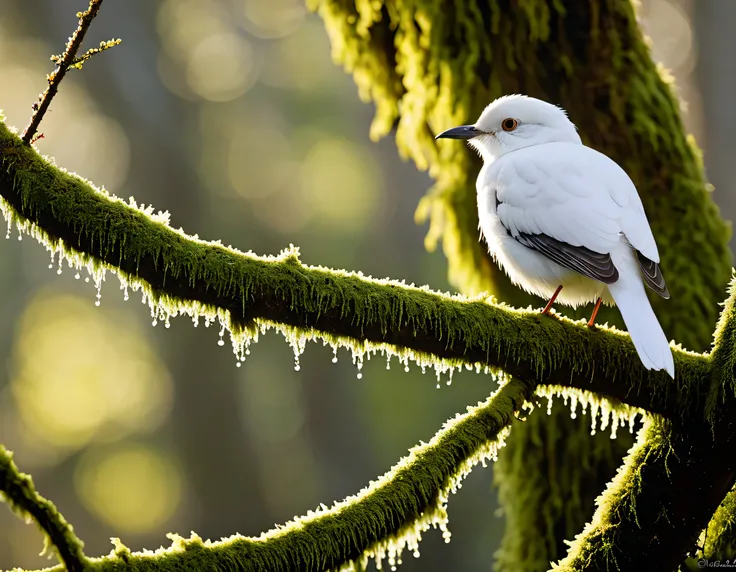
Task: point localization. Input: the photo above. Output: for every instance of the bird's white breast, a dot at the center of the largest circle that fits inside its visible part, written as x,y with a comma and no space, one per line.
527,268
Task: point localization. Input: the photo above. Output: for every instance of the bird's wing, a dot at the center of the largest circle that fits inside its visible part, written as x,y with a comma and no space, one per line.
653,275
576,258
572,204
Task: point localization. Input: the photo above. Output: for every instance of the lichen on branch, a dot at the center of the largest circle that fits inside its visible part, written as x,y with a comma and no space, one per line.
64,63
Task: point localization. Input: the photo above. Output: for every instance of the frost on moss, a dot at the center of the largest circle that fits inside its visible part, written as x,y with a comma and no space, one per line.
723,356
671,483
455,57
17,490
381,522
181,275
644,520
86,228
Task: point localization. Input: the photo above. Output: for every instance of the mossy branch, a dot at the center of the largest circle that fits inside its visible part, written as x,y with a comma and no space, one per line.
433,81
452,58
181,270
671,483
17,489
651,514
380,521
719,539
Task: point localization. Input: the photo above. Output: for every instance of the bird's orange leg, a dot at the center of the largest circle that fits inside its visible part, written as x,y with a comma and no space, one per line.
548,307
595,313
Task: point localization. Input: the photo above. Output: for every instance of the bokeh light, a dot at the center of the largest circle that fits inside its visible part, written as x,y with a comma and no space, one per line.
339,180
182,24
301,61
135,488
217,59
669,24
84,374
221,67
273,18
276,415
261,158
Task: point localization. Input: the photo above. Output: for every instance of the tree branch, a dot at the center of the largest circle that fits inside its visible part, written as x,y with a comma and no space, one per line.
720,536
381,520
63,63
452,59
72,216
186,275
17,489
645,520
672,482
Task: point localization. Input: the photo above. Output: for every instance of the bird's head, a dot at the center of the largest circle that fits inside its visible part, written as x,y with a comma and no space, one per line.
513,122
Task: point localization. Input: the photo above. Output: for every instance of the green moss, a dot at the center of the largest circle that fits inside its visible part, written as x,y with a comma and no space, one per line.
723,384
246,293
179,274
380,522
18,491
720,536
452,59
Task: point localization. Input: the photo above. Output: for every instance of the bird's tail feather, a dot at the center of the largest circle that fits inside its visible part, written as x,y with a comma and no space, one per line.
646,333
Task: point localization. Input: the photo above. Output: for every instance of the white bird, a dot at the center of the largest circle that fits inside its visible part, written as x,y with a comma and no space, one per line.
564,221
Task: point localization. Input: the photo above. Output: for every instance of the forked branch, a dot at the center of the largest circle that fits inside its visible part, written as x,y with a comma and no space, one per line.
63,63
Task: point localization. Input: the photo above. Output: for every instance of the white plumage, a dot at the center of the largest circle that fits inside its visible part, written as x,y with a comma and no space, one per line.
556,213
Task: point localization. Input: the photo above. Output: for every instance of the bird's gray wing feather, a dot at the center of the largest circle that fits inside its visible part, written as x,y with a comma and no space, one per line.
576,258
653,275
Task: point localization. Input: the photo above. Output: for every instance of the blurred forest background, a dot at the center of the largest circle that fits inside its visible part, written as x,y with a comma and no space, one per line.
231,115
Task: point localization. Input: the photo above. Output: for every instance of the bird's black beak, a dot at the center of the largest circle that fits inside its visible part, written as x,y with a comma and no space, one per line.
463,132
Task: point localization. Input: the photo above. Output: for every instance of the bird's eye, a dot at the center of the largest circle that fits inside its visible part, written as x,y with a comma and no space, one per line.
509,124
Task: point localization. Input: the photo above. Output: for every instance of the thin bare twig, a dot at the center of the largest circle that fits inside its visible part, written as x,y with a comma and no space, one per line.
63,64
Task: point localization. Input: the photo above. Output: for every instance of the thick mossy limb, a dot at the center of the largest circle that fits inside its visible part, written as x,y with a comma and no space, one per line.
455,57
671,483
17,490
188,275
380,521
719,539
723,361
644,521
